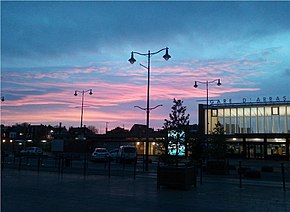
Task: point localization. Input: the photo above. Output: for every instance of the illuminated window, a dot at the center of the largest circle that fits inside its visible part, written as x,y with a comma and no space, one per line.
214,113
275,110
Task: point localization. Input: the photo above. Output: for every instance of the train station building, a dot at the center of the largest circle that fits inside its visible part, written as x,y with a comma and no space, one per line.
256,129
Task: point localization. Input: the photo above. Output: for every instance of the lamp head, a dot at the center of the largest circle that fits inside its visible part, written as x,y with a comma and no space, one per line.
166,56
132,59
219,82
76,93
91,92
195,84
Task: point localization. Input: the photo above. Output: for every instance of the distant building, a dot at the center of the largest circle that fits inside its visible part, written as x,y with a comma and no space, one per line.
15,138
259,129
58,139
118,131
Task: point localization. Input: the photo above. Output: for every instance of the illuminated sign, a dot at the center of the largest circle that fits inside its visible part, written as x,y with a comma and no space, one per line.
265,99
251,100
176,143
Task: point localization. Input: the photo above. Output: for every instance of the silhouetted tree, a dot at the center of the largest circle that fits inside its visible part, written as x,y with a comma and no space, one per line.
93,129
177,117
177,123
217,144
196,147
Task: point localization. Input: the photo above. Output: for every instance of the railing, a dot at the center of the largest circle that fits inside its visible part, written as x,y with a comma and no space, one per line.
74,164
245,173
241,173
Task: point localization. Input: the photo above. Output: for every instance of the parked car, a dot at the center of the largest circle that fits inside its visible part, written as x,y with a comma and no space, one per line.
114,154
127,154
100,154
31,151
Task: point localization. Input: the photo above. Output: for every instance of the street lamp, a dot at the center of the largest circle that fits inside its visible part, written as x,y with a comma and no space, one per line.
83,133
82,107
207,83
148,109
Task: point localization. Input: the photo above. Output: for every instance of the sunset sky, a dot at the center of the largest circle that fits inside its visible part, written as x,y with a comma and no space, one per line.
50,49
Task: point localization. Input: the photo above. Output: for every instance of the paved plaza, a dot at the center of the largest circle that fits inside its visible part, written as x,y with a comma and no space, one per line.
31,191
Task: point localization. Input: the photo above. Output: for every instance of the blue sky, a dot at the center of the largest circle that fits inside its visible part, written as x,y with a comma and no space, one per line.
51,49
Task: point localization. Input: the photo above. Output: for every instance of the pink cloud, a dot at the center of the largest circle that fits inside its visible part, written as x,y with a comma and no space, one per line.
117,86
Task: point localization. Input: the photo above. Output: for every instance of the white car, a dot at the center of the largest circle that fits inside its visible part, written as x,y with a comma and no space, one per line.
31,151
127,154
100,154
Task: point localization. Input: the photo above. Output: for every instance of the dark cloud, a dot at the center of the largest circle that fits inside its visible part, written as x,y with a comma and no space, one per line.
52,29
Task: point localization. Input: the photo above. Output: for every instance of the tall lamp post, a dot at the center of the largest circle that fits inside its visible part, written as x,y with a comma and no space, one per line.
83,136
82,107
148,109
207,84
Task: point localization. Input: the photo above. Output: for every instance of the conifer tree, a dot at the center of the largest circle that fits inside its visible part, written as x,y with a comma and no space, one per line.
177,123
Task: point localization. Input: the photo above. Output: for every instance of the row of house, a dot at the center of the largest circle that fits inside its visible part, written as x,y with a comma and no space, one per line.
75,139
253,130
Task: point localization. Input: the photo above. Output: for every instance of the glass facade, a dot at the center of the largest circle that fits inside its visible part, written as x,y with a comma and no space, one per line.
251,130
249,118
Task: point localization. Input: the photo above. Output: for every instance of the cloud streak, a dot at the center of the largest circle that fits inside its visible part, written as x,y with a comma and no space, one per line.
51,49
57,97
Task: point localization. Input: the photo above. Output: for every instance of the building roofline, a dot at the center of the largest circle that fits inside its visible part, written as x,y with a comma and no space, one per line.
249,104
